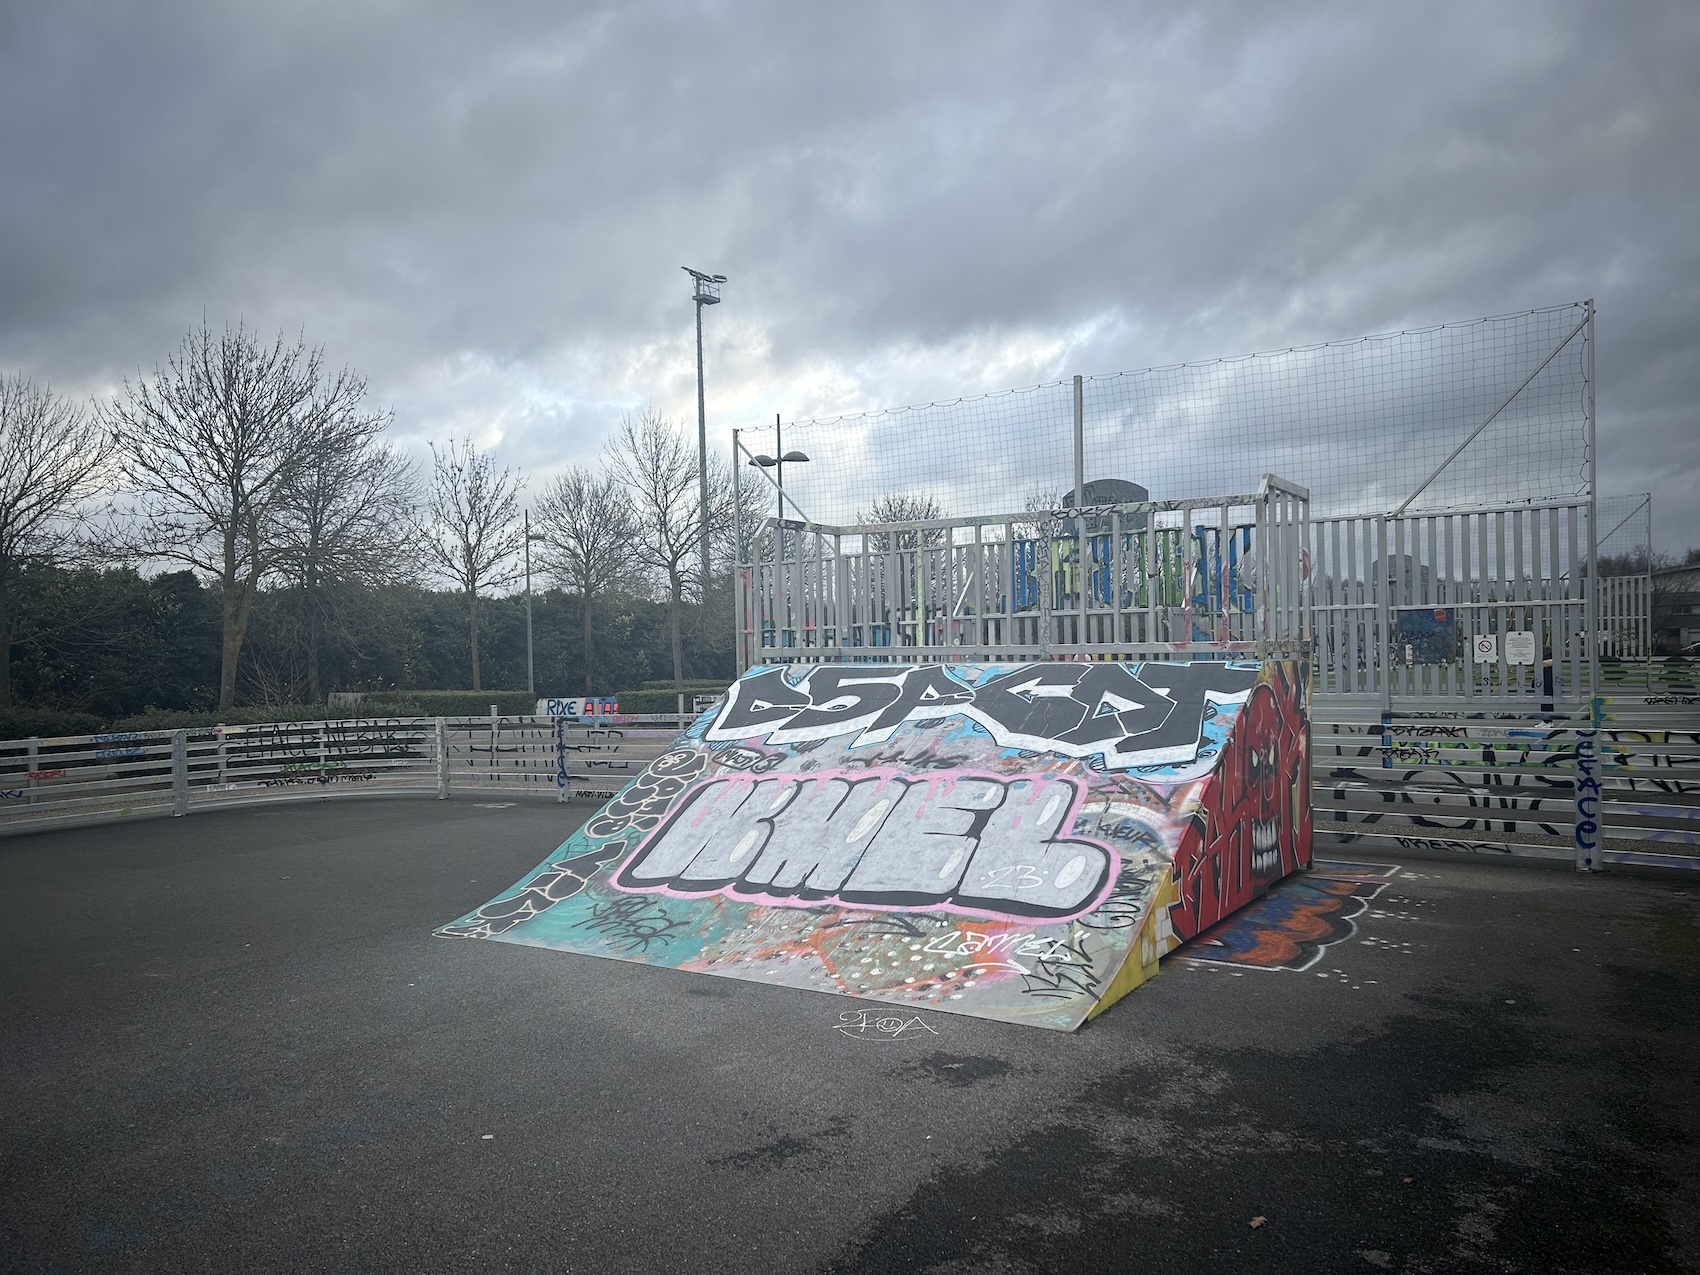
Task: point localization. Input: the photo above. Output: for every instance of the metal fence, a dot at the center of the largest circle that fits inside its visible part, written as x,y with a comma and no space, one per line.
48,782
1486,604
1142,580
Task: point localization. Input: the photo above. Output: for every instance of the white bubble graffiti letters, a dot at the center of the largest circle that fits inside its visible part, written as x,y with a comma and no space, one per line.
971,843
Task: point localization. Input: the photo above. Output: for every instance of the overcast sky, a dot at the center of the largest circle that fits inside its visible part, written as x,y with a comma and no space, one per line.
484,207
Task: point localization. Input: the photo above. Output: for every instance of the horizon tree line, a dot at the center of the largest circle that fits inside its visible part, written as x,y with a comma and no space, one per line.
256,466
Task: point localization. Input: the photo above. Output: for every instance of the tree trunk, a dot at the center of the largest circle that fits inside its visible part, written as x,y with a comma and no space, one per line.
585,599
311,590
6,644
676,605
314,692
472,617
230,648
236,632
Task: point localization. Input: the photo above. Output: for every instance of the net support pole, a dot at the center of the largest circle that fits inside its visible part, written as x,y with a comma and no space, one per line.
1079,441
1592,601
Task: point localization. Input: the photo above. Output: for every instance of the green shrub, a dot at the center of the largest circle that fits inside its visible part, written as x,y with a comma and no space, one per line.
693,686
443,704
248,715
22,723
655,701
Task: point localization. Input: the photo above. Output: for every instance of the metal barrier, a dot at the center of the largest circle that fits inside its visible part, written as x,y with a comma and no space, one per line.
1144,580
1617,784
1399,603
86,778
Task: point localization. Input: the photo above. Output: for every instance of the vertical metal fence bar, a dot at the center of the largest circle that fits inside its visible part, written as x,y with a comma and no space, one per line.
179,772
442,759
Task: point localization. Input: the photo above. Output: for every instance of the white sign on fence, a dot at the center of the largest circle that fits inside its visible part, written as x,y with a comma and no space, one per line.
1486,648
1520,646
586,706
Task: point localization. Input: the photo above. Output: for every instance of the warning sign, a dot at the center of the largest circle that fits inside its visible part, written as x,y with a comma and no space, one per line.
1486,648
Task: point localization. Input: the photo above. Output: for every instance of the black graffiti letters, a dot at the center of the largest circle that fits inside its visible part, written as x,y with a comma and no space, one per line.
974,844
1129,715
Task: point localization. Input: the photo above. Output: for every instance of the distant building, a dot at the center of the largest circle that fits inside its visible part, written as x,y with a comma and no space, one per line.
1676,608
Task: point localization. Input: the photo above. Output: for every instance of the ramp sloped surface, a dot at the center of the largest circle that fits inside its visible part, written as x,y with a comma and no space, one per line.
1021,842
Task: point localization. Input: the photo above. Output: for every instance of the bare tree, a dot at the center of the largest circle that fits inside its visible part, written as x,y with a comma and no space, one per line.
208,443
472,534
50,454
587,524
660,471
895,508
346,517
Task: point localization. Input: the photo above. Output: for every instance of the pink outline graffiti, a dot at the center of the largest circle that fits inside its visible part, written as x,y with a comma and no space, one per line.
939,784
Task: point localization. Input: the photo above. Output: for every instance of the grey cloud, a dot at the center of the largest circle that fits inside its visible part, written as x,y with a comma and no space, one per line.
485,207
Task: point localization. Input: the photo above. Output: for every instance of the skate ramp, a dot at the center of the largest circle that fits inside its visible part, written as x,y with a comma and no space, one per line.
1021,842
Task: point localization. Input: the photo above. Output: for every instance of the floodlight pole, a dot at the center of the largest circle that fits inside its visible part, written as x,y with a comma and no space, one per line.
707,293
530,663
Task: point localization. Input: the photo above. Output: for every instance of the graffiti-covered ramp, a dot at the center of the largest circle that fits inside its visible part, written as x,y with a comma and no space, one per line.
1021,842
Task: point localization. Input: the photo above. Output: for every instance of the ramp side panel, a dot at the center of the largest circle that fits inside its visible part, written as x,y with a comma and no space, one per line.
1254,817
989,840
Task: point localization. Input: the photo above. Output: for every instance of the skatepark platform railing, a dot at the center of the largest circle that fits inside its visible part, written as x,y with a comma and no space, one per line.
89,778
1170,579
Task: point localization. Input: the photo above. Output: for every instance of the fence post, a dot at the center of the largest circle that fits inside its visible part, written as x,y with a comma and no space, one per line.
223,758
442,759
179,772
1588,790
1079,442
30,767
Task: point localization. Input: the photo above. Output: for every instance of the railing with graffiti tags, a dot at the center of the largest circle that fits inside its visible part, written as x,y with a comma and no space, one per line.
50,781
1616,783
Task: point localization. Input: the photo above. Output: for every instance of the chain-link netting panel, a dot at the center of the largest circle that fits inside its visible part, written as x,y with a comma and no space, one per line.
1363,423
980,455
1626,533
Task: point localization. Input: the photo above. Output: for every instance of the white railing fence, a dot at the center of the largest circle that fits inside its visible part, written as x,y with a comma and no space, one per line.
1153,579
74,779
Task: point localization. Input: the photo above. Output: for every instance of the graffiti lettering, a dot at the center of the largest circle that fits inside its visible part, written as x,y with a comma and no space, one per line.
1064,974
44,774
1129,715
738,757
1440,843
329,777
558,881
970,843
633,925
1587,798
859,1024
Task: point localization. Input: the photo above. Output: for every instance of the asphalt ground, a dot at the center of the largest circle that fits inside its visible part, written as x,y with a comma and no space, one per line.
231,1043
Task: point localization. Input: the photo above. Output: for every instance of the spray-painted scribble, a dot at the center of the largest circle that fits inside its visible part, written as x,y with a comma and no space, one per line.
1297,922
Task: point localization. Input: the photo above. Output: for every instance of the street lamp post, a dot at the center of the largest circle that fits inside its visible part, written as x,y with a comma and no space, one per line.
707,293
530,665
777,464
